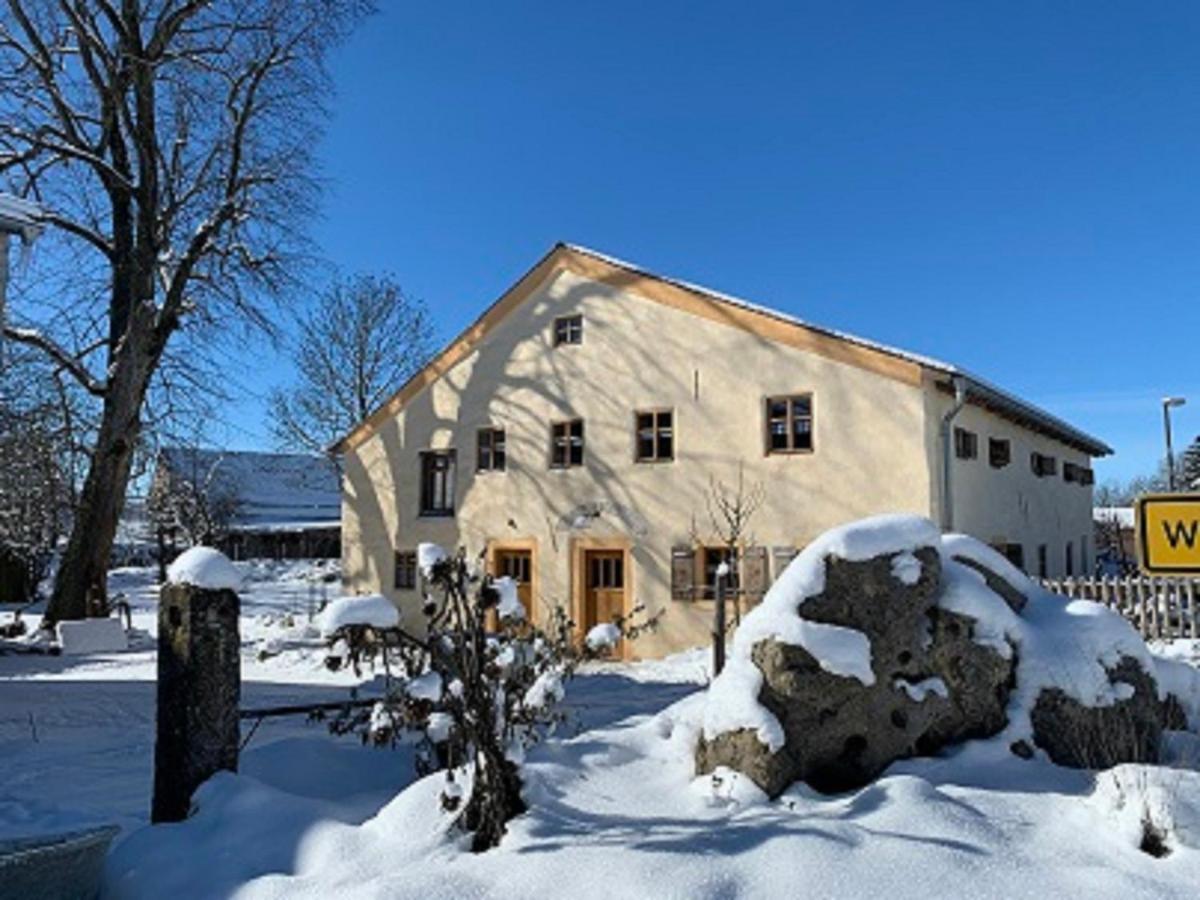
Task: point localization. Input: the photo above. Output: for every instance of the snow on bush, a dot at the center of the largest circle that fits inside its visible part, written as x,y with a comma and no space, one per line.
478,698
428,556
427,686
1155,809
603,636
204,568
373,610
509,605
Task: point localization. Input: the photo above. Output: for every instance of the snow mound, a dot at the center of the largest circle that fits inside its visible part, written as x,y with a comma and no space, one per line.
369,609
204,568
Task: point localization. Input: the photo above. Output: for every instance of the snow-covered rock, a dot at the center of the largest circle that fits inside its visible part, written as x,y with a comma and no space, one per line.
204,568
883,640
374,610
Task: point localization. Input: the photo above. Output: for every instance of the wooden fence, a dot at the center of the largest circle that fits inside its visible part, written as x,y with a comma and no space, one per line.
1160,608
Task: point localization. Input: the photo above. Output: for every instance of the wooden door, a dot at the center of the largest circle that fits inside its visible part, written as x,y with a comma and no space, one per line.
517,565
604,587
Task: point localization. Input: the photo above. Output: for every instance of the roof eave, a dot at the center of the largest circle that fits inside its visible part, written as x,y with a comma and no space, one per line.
1024,413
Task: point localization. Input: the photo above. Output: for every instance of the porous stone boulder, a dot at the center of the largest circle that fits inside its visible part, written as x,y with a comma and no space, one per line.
885,643
1099,737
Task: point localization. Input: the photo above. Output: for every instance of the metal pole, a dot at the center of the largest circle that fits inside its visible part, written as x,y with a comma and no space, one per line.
719,621
1170,449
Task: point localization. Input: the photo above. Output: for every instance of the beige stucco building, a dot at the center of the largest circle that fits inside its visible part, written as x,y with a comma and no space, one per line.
572,435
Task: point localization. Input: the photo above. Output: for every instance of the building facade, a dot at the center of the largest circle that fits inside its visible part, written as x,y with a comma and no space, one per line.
575,434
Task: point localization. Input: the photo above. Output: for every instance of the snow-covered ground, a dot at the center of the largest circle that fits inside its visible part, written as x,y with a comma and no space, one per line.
614,809
77,732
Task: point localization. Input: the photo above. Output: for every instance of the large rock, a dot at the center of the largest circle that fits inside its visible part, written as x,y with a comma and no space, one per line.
1088,737
946,627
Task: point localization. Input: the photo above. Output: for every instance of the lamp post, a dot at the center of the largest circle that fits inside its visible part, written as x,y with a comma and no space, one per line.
1167,404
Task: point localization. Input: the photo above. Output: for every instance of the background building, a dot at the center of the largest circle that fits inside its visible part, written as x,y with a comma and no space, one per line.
248,505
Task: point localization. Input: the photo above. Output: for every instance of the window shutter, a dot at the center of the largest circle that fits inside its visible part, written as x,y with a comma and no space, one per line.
755,568
683,573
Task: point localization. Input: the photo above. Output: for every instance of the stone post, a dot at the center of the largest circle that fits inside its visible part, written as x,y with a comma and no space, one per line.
199,684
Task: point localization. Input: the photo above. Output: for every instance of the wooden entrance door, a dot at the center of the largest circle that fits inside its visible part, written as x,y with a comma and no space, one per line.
604,587
517,565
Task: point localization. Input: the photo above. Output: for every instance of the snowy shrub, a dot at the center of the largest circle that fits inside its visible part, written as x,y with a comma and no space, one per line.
477,686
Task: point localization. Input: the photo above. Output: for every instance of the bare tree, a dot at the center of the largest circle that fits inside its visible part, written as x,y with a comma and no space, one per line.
730,508
364,339
170,142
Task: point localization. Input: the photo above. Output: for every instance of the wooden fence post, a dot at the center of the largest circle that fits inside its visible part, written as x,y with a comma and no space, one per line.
1191,589
199,685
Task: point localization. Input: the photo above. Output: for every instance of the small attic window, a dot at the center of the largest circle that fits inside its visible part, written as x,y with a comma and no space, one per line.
568,330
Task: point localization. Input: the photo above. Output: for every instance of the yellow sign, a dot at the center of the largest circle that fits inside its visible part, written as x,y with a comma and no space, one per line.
1168,532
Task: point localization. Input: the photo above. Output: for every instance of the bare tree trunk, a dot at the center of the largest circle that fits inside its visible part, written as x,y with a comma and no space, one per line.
80,590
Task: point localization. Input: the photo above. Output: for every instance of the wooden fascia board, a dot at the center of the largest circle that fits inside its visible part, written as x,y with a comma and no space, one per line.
456,350
757,322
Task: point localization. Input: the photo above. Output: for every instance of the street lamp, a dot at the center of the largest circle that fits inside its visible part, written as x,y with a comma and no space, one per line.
1167,404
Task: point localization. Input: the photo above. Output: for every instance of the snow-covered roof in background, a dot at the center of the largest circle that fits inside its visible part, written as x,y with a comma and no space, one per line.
18,216
273,491
986,393
1122,515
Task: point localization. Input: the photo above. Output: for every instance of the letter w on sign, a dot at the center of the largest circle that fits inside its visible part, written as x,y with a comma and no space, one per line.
1181,533
1168,531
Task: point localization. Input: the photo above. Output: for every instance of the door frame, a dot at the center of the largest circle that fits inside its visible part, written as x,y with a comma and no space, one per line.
579,550
519,545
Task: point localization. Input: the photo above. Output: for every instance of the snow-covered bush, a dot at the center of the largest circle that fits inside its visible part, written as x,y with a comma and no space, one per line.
478,685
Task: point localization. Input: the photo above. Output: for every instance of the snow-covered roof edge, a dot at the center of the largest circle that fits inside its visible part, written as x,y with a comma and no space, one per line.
20,216
983,392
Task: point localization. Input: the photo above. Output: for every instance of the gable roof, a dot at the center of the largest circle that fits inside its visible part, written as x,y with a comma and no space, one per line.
850,349
270,491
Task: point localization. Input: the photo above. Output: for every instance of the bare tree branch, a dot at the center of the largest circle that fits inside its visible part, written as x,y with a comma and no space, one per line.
65,360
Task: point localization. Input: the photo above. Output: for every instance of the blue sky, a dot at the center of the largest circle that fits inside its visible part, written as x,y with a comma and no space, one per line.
1012,186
